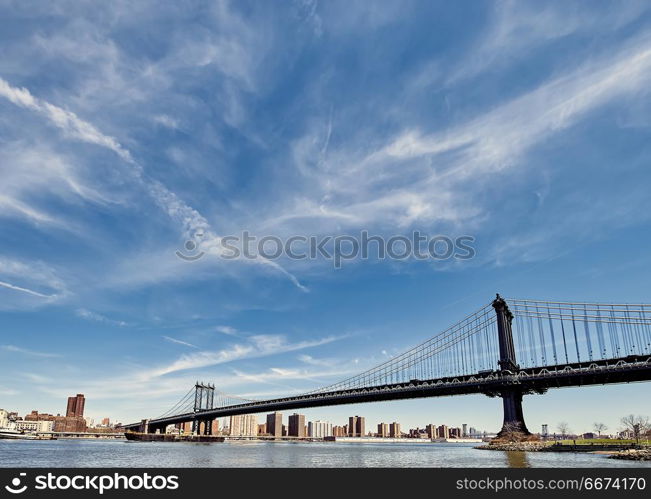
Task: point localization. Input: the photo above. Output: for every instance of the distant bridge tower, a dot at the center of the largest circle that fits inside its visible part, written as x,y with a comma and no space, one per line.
204,398
511,397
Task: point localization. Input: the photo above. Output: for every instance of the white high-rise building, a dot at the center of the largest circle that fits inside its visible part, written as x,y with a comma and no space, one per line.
319,429
243,425
4,418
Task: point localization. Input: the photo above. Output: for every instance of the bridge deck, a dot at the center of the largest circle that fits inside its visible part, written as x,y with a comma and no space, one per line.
529,380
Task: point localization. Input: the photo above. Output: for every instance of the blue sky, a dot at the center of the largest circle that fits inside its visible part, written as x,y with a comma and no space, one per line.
126,128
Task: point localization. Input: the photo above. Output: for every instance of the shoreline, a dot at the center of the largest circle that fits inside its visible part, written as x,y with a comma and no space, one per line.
632,455
617,451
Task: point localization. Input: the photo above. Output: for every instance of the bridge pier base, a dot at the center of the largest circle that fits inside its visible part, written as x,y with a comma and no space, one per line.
514,429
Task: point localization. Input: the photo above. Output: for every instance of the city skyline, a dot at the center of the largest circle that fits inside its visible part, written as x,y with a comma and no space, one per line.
131,138
250,424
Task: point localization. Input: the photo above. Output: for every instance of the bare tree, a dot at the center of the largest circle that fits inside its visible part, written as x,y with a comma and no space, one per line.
636,426
599,427
563,428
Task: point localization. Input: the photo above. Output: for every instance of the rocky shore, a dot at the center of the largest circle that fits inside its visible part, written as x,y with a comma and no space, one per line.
633,455
515,446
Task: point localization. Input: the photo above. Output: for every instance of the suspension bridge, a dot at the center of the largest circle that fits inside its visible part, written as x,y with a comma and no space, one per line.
508,349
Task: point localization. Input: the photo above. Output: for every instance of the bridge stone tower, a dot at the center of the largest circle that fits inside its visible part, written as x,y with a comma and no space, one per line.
514,426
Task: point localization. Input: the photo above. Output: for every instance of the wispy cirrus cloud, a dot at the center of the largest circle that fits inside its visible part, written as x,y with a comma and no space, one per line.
282,377
97,317
498,138
35,282
228,330
65,120
191,221
24,290
518,28
26,351
256,346
439,178
179,342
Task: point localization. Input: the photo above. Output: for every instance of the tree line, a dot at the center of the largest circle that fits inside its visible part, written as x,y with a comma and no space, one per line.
638,427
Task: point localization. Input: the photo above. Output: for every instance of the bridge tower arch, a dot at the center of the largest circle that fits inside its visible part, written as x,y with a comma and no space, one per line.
513,426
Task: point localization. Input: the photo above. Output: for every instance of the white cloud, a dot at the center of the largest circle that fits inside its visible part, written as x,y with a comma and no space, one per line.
31,173
231,331
67,121
24,290
36,282
497,139
166,121
517,28
94,316
421,178
279,376
257,346
308,359
179,342
25,351
191,221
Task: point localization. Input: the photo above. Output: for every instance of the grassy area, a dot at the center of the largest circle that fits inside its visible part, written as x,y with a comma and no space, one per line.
600,441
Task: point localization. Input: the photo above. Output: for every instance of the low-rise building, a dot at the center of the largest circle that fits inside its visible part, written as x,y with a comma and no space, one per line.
339,431
69,424
417,433
36,416
34,426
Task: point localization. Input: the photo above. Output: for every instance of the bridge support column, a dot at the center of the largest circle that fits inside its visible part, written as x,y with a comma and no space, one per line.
513,427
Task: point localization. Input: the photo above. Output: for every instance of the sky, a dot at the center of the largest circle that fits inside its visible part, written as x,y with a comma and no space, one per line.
128,129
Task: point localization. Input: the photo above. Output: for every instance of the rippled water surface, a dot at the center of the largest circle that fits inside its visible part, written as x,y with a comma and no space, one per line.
119,453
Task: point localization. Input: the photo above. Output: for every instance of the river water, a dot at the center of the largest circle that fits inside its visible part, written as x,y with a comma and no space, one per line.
120,453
